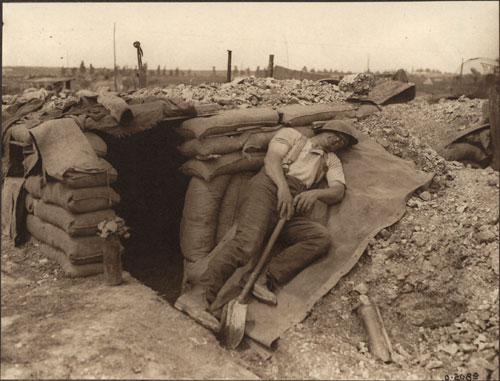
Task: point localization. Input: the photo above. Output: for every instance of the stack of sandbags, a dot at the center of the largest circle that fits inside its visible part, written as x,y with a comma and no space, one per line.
224,151
64,217
70,196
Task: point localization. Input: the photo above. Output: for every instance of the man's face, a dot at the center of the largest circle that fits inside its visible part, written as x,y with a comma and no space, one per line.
332,141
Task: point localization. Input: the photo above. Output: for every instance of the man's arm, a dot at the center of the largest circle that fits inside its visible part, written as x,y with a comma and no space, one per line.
304,201
272,164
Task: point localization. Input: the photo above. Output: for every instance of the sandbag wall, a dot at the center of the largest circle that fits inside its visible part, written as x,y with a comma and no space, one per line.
63,215
224,151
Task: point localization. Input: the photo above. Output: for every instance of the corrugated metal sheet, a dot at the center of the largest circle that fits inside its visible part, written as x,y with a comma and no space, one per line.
466,132
388,91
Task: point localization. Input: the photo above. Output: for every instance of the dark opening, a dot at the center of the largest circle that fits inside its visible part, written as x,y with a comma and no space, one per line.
152,191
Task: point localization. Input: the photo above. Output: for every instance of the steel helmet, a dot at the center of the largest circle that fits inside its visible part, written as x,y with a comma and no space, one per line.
340,126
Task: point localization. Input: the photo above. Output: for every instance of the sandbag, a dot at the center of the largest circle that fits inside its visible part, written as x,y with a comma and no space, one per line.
227,164
464,151
194,270
76,225
75,179
80,200
30,203
199,216
220,145
366,110
229,204
303,115
260,141
63,147
21,134
13,211
99,145
228,121
79,250
71,270
116,106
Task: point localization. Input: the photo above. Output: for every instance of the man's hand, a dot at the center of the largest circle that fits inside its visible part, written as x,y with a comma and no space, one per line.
285,203
304,201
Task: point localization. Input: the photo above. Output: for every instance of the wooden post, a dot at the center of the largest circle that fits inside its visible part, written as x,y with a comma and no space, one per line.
270,69
114,54
229,66
494,124
213,74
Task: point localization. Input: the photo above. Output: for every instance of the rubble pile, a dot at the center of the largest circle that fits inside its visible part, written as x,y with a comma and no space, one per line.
437,122
252,92
434,274
437,268
359,84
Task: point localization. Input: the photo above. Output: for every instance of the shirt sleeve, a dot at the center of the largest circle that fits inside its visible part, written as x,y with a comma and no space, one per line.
335,171
287,136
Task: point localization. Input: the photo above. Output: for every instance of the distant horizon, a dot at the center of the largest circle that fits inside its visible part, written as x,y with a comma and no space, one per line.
418,70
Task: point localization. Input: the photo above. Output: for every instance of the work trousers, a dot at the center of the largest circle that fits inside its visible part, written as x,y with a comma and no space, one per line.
307,240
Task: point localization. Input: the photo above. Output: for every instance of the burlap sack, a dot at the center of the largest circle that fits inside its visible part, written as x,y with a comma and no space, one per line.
99,145
79,250
227,164
228,121
229,204
79,200
75,179
220,145
70,270
464,152
303,115
21,134
199,216
365,110
76,225
260,141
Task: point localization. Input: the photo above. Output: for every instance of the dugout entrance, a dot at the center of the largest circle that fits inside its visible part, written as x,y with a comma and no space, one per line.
152,191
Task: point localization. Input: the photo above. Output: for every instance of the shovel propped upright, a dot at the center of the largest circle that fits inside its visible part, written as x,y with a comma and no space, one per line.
235,311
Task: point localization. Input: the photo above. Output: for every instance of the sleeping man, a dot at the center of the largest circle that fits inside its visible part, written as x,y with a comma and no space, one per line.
286,187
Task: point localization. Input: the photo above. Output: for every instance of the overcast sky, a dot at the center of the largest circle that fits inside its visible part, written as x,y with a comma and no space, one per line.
343,36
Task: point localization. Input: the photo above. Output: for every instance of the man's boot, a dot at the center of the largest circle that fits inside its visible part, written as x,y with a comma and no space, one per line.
260,290
195,304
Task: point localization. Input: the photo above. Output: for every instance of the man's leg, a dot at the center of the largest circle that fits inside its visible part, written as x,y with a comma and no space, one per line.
255,214
309,241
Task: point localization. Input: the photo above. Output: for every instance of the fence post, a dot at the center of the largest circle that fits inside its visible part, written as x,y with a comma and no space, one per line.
270,69
229,66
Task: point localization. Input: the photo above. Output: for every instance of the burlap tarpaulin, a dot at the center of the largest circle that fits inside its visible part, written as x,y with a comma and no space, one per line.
378,185
63,147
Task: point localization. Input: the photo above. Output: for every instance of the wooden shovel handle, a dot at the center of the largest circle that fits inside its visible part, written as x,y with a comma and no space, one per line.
262,260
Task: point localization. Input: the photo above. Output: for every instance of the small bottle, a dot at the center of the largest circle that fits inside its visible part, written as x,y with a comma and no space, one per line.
112,260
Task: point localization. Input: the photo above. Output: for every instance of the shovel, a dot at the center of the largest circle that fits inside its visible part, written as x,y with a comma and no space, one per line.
235,311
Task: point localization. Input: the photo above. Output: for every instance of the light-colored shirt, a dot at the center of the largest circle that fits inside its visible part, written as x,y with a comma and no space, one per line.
308,165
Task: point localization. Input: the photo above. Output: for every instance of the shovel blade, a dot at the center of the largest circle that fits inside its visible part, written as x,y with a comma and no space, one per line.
234,328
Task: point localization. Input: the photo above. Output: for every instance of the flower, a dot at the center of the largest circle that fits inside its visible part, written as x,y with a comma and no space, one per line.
113,226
